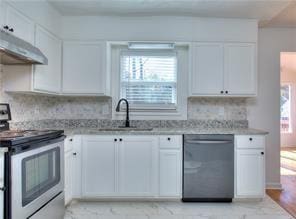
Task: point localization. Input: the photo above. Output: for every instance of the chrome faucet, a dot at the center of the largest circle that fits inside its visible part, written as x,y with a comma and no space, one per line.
127,121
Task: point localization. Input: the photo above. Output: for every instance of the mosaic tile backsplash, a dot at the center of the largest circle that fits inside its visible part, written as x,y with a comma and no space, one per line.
25,107
107,123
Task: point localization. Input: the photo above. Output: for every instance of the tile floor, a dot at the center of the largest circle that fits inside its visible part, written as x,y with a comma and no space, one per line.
267,209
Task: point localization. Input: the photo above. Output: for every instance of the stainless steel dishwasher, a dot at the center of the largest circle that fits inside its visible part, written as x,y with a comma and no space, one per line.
208,168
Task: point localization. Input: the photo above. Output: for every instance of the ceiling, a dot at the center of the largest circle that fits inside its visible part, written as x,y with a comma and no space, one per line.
268,12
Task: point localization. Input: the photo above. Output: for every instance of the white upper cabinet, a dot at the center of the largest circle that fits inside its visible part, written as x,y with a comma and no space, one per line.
240,69
17,23
84,68
47,78
222,69
137,166
207,77
37,78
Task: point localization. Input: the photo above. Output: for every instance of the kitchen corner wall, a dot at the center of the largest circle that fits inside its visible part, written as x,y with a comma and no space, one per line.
25,107
264,111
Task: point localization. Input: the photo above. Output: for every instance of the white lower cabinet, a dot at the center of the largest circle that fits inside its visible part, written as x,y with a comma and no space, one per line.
105,166
250,167
127,166
170,173
137,166
99,166
68,169
68,177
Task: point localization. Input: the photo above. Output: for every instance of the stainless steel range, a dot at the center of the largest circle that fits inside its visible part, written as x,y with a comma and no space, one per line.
31,171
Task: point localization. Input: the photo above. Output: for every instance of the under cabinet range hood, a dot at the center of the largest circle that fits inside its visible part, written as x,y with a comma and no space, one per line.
15,51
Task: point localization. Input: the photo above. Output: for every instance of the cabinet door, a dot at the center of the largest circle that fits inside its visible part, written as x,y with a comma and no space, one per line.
170,173
240,69
68,176
250,173
98,166
137,166
77,166
207,72
68,147
83,68
22,26
48,77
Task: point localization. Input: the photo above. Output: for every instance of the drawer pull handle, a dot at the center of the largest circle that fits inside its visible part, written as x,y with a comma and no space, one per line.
115,139
251,139
169,139
74,153
120,139
262,153
70,139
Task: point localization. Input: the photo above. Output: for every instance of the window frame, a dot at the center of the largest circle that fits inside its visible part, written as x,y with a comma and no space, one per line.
290,130
178,113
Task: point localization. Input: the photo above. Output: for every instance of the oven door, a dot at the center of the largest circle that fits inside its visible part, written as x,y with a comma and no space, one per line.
37,176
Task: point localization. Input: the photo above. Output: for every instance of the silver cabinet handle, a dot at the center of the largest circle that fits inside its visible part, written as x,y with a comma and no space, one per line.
207,142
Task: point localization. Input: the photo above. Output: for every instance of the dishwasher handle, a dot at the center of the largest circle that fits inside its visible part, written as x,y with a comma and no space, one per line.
208,142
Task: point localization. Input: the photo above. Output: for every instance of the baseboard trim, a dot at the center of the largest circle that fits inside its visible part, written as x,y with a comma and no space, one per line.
277,186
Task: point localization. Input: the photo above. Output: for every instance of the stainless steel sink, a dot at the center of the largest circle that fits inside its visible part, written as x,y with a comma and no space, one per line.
119,129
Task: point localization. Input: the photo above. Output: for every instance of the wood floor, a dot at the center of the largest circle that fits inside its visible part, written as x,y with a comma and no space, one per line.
287,197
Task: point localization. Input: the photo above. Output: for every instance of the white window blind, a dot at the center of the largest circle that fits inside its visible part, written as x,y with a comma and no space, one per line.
148,79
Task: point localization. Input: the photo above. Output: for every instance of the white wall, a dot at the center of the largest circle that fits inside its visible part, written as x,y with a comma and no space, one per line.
264,111
160,29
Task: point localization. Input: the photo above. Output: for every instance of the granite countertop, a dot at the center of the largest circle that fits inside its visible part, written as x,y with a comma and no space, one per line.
167,131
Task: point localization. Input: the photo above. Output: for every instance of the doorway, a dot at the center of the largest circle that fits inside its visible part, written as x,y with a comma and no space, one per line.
287,197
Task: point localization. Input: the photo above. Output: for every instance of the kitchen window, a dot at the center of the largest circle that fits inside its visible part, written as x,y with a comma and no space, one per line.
154,81
148,79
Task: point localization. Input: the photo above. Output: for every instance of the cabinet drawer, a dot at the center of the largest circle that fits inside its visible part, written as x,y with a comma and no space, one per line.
250,141
170,141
